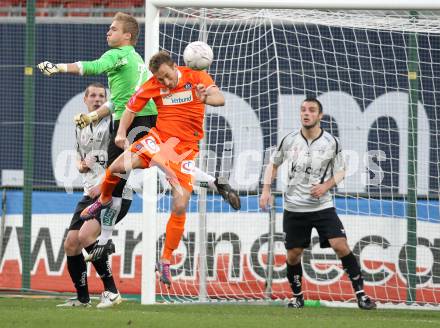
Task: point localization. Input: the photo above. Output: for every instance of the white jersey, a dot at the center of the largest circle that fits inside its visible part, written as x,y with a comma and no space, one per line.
91,144
309,163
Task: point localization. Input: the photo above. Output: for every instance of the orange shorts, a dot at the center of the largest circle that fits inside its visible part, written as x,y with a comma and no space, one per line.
175,158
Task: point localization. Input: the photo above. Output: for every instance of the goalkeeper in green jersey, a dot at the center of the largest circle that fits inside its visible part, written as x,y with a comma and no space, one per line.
126,72
125,69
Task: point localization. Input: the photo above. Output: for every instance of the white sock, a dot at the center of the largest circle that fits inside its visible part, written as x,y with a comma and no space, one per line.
203,177
106,233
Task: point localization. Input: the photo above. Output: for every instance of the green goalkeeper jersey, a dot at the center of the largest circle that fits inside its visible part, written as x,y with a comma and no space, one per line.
126,72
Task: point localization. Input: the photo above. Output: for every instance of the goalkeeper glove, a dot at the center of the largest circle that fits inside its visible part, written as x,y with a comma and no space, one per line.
48,68
82,120
100,250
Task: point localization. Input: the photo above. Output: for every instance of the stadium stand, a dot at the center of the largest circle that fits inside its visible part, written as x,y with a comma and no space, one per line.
77,8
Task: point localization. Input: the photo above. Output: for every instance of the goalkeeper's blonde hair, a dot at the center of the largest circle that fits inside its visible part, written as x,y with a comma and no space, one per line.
130,25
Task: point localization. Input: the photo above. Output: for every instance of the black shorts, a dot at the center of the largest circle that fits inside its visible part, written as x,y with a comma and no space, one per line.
77,222
297,227
142,123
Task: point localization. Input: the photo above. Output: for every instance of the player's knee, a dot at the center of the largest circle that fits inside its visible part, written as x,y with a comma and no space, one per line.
179,208
341,247
68,246
294,256
71,245
341,252
122,164
180,203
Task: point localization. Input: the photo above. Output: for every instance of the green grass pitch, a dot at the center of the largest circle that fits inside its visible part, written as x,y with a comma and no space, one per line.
18,312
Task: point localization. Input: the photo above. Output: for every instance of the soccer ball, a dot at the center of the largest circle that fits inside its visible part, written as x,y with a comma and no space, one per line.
198,55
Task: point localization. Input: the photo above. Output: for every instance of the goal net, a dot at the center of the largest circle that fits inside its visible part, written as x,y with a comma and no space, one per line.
376,74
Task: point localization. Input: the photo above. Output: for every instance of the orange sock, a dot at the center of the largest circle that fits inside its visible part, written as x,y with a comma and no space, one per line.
174,232
108,186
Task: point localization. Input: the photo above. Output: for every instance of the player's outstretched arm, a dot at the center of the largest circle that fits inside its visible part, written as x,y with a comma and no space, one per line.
48,68
95,67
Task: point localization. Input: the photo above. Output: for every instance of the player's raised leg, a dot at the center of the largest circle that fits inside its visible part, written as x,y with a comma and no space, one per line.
221,185
138,129
123,164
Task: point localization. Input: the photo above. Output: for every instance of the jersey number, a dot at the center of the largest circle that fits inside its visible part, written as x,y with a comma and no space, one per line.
100,159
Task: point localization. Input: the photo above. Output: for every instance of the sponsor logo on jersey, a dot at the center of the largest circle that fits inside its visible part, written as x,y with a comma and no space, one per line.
187,166
151,145
178,98
122,62
188,86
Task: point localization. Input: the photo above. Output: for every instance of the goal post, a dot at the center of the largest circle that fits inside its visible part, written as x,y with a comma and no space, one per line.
411,228
373,65
149,192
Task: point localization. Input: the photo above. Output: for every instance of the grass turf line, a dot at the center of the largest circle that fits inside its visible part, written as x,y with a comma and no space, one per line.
43,313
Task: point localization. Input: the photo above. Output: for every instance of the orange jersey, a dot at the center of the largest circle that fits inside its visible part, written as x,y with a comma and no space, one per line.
180,112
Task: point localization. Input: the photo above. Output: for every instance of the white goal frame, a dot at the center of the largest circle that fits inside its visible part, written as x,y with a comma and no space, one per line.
152,45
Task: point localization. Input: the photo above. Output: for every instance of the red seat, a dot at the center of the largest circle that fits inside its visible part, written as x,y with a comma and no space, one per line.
5,8
78,5
55,3
138,3
40,6
118,5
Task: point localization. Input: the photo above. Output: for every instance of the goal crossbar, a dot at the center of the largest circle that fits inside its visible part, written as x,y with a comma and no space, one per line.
302,4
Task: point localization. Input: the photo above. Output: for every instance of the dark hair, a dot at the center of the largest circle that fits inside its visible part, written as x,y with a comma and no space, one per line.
316,101
129,25
162,57
96,85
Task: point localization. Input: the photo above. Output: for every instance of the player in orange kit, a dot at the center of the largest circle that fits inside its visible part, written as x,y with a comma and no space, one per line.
180,94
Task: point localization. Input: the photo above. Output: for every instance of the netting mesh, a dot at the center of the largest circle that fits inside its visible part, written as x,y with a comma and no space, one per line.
266,62
356,63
